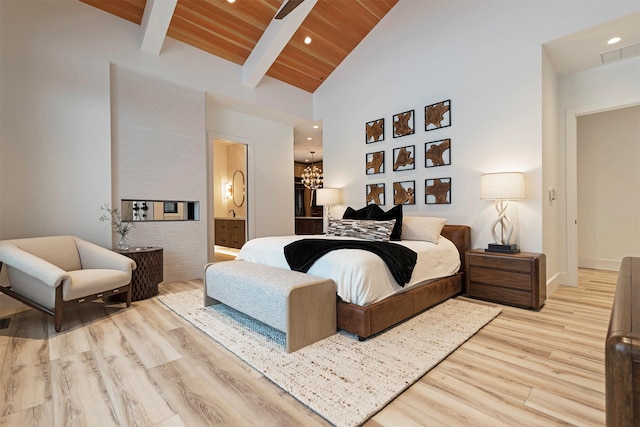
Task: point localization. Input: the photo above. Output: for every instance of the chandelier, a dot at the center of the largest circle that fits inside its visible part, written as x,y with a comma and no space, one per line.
312,175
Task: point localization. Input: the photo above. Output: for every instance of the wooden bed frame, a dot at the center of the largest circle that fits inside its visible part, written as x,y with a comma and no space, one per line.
365,321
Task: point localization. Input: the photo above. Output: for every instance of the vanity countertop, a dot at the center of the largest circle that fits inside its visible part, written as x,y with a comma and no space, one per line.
229,217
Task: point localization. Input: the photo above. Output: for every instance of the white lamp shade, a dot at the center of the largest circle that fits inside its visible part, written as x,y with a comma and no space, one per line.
328,196
502,185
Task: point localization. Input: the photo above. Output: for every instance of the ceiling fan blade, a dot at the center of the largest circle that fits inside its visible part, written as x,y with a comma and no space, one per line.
288,8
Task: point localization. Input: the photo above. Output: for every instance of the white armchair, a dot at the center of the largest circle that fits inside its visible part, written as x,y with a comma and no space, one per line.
54,273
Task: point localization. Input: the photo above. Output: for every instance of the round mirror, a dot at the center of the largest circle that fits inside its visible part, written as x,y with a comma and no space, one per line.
238,188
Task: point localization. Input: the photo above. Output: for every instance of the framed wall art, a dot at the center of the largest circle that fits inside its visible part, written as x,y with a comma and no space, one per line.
437,191
375,194
404,158
404,193
437,115
403,124
437,153
374,162
374,131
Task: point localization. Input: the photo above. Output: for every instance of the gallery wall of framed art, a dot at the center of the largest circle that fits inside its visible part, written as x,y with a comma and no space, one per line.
430,156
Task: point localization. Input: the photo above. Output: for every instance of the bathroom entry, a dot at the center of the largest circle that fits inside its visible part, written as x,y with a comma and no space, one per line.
229,198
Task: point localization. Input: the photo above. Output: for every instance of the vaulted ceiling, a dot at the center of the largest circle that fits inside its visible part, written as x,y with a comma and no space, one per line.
246,33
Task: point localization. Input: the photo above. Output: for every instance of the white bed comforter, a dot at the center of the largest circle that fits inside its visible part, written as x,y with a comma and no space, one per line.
361,277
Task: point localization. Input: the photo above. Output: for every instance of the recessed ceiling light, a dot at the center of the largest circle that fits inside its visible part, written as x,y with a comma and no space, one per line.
307,40
614,40
316,126
309,139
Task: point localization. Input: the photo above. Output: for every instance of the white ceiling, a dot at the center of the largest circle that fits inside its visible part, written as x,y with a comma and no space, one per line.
570,54
582,50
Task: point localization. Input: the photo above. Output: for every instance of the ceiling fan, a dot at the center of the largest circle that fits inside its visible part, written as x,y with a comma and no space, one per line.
288,8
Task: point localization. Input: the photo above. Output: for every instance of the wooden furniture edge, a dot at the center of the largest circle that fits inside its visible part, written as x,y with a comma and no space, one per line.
622,349
60,304
365,321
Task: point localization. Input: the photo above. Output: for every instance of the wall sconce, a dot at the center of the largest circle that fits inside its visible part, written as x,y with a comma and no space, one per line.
228,190
328,197
502,187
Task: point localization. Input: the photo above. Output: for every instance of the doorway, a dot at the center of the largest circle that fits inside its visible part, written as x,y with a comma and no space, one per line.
571,120
230,210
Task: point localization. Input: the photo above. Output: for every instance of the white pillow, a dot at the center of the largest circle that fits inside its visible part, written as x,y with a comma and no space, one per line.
427,228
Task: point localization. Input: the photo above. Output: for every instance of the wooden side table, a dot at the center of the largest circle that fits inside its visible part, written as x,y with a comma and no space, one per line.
147,275
515,279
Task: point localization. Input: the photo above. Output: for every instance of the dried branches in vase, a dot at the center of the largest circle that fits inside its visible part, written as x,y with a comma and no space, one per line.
122,228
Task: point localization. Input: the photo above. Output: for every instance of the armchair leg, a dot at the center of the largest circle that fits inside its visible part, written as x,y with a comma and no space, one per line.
129,291
58,309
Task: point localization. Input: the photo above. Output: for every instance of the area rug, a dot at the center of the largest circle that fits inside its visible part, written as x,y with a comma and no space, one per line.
344,380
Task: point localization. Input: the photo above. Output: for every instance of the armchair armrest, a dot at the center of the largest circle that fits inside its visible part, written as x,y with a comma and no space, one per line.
36,267
94,256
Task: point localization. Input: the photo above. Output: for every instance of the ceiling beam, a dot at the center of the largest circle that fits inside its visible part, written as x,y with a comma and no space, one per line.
155,23
273,40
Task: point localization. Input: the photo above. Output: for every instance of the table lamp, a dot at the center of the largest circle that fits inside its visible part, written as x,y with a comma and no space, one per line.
502,187
328,197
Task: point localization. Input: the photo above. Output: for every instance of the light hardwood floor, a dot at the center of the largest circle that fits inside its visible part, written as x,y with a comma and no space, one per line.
145,366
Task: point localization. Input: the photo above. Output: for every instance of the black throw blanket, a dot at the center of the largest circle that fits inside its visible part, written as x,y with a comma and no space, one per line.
301,255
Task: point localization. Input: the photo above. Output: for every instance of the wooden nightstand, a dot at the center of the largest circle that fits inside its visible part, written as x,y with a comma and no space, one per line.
515,279
148,273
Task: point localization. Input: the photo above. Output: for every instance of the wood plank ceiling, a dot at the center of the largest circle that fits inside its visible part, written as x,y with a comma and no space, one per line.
232,30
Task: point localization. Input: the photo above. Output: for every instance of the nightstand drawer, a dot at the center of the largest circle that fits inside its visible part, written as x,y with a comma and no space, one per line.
512,263
500,295
507,279
518,279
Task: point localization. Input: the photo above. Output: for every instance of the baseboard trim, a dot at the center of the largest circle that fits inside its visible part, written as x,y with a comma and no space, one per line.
599,264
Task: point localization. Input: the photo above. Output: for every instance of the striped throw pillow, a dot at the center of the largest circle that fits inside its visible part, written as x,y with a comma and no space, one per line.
361,228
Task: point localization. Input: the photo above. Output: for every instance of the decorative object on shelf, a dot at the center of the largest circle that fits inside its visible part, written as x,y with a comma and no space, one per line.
404,158
403,124
437,191
437,115
312,175
437,153
375,131
121,227
159,210
502,187
375,162
328,197
139,211
375,194
404,193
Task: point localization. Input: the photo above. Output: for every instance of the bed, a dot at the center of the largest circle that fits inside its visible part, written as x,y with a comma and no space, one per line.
365,314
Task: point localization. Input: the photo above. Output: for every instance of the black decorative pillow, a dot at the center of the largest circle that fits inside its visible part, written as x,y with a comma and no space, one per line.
393,213
363,213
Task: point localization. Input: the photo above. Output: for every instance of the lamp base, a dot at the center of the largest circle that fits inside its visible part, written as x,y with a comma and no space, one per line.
505,249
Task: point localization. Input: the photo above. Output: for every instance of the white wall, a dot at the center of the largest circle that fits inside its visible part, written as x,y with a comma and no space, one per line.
55,136
608,183
159,153
484,56
553,211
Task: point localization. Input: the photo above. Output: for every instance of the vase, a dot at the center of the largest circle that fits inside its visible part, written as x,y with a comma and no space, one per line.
123,245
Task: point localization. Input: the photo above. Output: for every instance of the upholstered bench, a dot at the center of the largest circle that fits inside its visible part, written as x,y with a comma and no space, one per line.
298,304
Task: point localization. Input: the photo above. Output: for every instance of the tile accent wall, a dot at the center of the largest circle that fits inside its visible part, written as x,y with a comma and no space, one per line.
159,153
